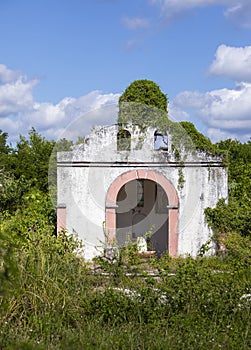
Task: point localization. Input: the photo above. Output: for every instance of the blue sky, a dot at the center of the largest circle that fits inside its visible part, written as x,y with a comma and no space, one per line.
60,59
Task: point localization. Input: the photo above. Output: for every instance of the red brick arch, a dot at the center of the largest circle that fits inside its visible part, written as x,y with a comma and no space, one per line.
111,204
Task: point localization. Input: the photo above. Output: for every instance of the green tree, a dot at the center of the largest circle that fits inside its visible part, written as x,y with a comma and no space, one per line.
6,151
35,217
234,216
11,192
146,92
32,159
142,103
200,141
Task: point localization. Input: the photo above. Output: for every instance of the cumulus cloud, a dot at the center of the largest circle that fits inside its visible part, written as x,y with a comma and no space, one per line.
19,111
15,91
7,75
224,110
80,114
237,10
135,23
217,135
176,114
233,63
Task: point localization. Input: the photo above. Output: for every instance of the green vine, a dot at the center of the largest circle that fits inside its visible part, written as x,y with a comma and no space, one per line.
181,180
144,105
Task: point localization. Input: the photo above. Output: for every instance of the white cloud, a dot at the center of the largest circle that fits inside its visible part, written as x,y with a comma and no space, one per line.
7,75
226,113
19,111
240,13
226,110
82,113
135,23
11,126
16,95
172,8
176,114
216,135
177,5
233,63
237,10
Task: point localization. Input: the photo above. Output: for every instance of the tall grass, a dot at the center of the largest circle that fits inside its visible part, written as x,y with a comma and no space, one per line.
50,299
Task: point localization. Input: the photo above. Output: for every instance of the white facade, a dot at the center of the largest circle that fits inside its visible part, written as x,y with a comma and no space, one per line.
86,174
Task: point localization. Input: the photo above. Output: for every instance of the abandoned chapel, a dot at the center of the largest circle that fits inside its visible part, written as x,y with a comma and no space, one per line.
117,187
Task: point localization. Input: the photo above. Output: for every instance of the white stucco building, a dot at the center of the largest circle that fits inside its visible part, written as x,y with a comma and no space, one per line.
117,186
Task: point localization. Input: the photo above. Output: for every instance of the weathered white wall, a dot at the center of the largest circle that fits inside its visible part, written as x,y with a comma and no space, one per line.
86,173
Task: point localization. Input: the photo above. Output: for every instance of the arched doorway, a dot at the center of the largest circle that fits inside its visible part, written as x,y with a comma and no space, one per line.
142,212
127,186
